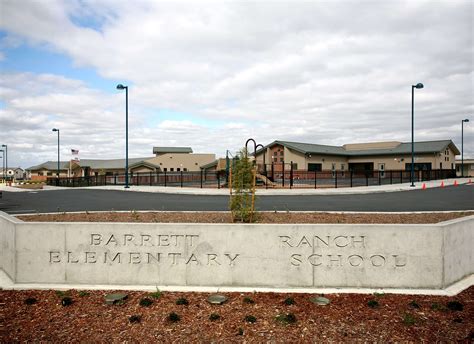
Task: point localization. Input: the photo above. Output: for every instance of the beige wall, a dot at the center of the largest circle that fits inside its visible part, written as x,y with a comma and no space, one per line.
192,162
391,162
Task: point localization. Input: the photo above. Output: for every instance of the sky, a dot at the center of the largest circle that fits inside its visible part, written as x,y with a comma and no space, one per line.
210,75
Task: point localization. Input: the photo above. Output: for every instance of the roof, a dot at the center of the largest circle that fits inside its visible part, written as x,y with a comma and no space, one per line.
92,163
110,163
50,165
163,150
402,148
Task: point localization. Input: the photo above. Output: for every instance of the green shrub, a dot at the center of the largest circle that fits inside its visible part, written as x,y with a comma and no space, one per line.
455,306
250,319
289,301
414,304
146,302
135,319
373,303
66,301
243,192
409,319
248,300
214,317
286,319
240,331
182,301
30,301
83,293
173,317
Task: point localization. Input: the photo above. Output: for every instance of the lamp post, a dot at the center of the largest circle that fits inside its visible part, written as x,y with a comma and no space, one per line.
3,164
57,174
6,161
462,145
122,87
419,85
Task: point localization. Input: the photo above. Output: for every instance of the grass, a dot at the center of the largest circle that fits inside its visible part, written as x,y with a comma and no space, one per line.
214,317
248,300
134,319
409,319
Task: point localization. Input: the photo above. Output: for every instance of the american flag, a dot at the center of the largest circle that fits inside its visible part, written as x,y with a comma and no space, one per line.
74,151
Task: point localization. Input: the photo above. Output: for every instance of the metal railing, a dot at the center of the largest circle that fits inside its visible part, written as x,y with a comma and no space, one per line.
282,177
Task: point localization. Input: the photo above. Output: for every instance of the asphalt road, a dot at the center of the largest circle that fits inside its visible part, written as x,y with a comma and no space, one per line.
436,199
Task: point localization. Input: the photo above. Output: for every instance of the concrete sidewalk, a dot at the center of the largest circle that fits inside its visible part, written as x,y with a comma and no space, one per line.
262,192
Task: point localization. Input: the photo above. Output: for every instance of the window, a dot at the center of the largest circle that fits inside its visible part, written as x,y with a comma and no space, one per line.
171,169
275,159
333,168
281,153
49,173
315,167
178,169
282,159
295,166
343,166
165,169
40,173
185,169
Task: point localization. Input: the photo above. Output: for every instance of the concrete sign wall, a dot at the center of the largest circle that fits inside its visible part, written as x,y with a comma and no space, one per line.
300,256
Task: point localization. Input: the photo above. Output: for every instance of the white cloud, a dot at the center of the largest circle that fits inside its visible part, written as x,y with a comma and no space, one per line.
321,72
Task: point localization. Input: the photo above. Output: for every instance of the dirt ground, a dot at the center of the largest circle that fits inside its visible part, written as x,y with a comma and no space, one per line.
262,217
40,316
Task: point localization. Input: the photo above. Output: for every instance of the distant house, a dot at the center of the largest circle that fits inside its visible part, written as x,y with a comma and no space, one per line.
468,167
15,173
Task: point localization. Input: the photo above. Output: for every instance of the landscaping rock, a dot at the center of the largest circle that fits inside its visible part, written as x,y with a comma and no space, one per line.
320,301
112,299
217,299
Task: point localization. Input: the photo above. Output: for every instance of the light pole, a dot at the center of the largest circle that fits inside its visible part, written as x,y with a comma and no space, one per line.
462,145
57,174
6,160
419,85
121,87
3,164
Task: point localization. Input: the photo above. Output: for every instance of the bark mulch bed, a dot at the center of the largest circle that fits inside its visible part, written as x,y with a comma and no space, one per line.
348,318
262,217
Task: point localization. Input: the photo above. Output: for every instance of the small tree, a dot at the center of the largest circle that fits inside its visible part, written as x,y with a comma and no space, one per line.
242,189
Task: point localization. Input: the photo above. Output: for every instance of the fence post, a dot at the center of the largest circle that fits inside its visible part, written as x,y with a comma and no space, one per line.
283,174
201,177
151,176
335,179
218,181
165,178
401,177
366,178
181,174
273,173
291,174
115,179
315,177
351,176
380,179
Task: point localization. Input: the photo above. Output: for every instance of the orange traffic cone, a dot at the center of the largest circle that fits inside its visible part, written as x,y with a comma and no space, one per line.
442,184
455,183
423,186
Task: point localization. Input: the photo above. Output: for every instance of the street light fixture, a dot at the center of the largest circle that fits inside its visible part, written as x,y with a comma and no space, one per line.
462,145
57,174
122,87
6,161
419,86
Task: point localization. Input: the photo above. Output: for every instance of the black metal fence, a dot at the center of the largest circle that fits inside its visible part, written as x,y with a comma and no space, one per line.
291,178
267,178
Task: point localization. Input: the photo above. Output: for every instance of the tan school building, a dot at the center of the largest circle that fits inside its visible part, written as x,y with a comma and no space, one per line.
373,156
